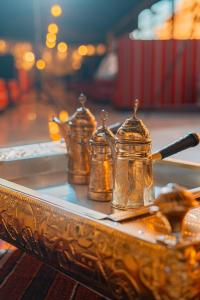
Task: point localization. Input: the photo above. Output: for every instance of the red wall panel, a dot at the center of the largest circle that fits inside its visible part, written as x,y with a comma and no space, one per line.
162,74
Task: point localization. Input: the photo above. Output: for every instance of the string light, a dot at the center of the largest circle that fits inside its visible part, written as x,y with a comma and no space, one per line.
90,50
82,50
40,64
56,10
62,47
29,57
50,45
53,28
100,49
51,37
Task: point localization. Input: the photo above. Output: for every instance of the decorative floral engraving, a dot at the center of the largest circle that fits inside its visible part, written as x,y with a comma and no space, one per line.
113,263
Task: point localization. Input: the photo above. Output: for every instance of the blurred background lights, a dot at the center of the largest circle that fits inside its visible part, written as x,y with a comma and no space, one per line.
82,50
3,46
54,131
50,45
76,65
29,57
56,10
40,64
100,49
51,37
53,28
61,55
63,115
62,47
76,55
90,50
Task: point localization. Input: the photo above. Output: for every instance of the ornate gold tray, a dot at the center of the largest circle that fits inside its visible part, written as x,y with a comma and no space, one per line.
120,256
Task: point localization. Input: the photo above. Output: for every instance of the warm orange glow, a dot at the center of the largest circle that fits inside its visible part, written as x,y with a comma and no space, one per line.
47,56
61,55
76,65
53,28
3,46
63,116
31,116
100,49
50,45
91,50
62,47
54,131
56,10
29,57
40,64
184,25
82,50
51,37
76,55
25,65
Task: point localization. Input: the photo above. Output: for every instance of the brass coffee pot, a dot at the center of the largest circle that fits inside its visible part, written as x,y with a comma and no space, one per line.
77,132
101,176
133,179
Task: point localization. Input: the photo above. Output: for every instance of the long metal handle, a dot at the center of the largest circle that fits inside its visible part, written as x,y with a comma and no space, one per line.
191,140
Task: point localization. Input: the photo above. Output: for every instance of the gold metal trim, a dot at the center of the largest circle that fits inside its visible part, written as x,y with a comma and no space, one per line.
114,263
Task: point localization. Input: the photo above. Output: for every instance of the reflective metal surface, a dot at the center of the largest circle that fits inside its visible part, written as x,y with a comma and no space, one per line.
102,162
77,132
133,180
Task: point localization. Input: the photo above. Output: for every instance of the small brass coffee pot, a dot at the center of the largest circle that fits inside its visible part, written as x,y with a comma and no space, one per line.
101,176
77,132
133,180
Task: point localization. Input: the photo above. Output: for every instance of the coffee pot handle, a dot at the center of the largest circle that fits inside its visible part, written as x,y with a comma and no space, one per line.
191,140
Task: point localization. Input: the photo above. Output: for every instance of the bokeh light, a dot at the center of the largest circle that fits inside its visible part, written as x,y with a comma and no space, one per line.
50,44
63,116
82,50
62,47
53,28
40,64
56,10
100,49
29,57
91,50
51,37
76,55
54,131
3,46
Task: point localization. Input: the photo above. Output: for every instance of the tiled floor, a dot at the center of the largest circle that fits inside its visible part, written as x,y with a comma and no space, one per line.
28,122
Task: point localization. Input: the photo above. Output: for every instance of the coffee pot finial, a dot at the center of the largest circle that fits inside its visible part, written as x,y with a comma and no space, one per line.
82,99
104,117
135,108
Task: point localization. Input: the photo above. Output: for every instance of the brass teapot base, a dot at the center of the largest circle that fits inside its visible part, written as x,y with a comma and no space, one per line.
101,196
127,207
78,179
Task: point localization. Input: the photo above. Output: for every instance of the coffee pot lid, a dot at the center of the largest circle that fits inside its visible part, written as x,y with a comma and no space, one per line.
82,117
103,135
133,129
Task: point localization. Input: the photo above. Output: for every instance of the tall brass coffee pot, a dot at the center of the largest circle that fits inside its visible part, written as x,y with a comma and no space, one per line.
133,180
101,176
77,132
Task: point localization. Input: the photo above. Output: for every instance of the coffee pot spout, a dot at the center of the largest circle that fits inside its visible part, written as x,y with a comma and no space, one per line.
64,129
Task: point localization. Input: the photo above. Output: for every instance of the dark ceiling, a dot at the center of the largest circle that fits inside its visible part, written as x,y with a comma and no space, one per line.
82,21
